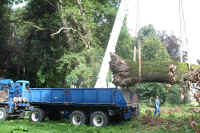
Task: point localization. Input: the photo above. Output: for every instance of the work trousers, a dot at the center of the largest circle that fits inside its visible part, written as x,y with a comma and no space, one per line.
157,110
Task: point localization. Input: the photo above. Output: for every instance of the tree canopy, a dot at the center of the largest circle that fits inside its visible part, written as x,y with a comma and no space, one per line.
47,40
52,42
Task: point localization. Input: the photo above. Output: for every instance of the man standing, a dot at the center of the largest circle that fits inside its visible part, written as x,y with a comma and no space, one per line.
157,106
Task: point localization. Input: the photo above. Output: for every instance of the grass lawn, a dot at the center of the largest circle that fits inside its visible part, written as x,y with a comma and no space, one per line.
174,119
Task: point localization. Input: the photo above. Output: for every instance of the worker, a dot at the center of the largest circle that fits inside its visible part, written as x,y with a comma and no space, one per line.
157,106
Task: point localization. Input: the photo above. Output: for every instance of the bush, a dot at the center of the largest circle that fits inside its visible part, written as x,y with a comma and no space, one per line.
146,91
173,96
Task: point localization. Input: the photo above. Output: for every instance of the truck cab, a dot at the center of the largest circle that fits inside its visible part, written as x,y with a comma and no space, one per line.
14,97
24,93
5,85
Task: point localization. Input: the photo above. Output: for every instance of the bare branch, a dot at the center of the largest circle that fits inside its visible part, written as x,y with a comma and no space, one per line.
51,4
60,30
80,7
34,25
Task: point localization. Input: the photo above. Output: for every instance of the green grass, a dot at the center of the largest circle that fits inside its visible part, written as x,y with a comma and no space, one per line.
175,122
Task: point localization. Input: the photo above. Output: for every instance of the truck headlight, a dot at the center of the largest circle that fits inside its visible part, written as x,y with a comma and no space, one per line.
25,100
15,99
20,99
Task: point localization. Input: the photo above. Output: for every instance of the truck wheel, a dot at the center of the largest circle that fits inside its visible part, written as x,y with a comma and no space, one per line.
37,115
98,119
55,116
77,118
3,114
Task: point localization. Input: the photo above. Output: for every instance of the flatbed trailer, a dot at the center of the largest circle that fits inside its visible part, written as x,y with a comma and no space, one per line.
96,106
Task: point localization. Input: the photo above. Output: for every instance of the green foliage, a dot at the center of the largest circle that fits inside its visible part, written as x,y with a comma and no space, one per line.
147,91
153,49
147,32
169,122
19,129
84,67
29,51
125,44
174,95
48,61
5,49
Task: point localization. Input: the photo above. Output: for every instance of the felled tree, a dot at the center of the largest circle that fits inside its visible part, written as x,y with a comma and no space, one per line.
125,73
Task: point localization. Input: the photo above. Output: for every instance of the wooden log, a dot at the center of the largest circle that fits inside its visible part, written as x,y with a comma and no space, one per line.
4,95
125,73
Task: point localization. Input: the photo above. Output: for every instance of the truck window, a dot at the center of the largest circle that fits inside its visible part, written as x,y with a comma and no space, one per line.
4,87
1,87
27,86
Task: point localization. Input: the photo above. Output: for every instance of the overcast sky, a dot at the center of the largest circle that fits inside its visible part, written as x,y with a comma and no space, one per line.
164,15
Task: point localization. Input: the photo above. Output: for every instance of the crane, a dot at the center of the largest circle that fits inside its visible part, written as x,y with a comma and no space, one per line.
183,33
101,79
121,14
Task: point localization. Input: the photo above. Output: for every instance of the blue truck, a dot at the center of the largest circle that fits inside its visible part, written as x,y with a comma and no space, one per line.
96,106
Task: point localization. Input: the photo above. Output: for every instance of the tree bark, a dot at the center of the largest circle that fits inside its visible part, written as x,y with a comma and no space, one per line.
125,73
65,25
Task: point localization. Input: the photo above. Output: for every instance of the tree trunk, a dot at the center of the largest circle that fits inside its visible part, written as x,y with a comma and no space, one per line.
125,73
68,35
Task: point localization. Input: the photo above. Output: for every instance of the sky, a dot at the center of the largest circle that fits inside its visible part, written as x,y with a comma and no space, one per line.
164,15
19,5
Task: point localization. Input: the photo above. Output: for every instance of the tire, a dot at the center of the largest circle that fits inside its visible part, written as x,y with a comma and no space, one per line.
37,115
55,116
99,119
3,114
78,118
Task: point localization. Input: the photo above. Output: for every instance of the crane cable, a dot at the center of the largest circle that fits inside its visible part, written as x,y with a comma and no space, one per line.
137,18
183,32
136,30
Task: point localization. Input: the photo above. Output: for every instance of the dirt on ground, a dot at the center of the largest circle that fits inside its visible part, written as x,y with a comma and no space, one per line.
172,110
150,122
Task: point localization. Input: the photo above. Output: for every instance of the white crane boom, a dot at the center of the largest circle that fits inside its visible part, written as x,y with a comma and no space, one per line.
101,79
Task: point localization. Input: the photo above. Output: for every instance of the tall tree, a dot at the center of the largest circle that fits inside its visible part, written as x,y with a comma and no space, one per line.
125,44
4,35
61,39
172,43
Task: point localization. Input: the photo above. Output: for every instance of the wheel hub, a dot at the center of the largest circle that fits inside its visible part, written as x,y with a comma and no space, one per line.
1,114
76,119
98,120
35,116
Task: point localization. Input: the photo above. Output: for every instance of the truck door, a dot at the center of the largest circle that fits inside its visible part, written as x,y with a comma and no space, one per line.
4,93
26,92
